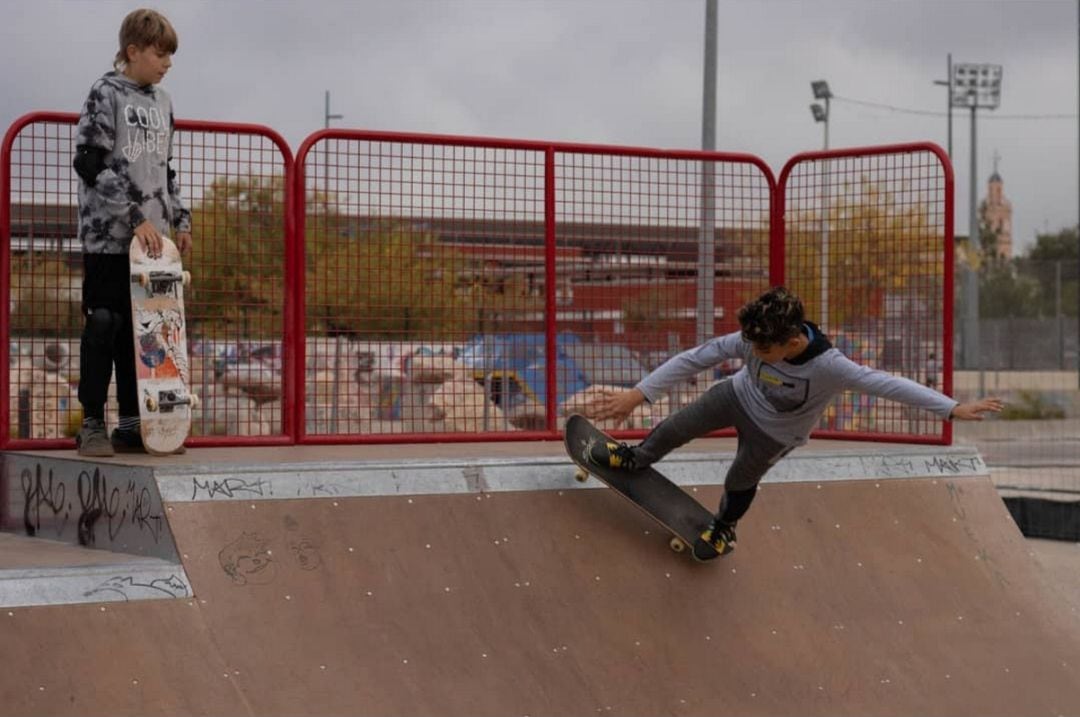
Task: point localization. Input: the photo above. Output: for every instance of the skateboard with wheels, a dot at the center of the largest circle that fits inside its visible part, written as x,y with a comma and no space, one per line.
161,357
663,501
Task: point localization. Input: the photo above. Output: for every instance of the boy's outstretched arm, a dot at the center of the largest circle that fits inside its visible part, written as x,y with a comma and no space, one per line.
618,405
973,410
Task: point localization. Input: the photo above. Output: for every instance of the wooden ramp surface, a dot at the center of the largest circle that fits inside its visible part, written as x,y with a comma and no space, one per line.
863,598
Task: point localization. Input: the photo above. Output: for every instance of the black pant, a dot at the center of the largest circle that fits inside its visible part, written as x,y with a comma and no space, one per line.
107,336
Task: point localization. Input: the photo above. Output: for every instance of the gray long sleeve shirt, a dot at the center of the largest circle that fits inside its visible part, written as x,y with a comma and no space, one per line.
787,399
134,126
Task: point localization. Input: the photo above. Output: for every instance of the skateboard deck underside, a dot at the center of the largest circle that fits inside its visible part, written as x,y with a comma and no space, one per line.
161,356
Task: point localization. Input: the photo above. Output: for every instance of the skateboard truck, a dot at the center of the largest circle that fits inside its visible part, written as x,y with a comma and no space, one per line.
157,282
166,401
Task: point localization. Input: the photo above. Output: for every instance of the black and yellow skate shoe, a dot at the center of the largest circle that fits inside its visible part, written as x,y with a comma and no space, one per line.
612,455
717,540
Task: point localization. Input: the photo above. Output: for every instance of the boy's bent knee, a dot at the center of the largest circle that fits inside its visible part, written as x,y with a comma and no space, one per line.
102,325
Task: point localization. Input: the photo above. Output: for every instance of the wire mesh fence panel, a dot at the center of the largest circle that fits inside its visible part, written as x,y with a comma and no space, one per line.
1027,336
233,180
44,280
868,242
655,254
424,287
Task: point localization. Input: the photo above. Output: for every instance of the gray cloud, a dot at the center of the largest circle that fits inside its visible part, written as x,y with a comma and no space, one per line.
609,71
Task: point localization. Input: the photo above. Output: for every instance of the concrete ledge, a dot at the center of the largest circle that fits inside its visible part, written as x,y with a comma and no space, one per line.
147,579
336,479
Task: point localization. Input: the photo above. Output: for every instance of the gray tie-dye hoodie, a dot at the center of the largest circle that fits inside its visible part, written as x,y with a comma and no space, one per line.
134,125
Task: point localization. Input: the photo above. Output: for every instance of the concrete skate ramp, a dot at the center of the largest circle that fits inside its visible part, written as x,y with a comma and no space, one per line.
896,597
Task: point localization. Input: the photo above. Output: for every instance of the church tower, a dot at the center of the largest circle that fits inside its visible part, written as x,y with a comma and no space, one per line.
996,212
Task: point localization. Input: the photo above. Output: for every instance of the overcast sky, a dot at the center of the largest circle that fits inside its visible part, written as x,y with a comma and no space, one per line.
625,72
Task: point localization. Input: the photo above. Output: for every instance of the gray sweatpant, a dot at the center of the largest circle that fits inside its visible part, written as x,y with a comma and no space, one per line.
715,409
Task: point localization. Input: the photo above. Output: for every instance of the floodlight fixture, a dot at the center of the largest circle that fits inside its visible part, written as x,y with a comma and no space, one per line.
821,90
976,85
819,113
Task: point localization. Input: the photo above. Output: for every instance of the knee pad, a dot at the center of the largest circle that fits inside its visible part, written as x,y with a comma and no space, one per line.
101,326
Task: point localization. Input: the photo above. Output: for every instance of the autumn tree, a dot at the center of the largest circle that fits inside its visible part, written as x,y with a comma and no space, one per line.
238,259
871,242
366,277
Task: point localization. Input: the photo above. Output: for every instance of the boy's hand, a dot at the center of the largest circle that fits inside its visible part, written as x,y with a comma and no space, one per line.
973,410
616,405
150,237
183,242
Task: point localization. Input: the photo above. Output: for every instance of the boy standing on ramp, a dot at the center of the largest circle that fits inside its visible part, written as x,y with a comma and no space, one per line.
790,375
127,189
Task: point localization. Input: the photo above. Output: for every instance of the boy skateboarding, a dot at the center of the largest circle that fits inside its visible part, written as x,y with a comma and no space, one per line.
790,375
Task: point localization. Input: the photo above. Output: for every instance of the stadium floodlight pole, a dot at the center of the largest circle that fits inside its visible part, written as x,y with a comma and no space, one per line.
947,84
974,86
821,91
706,271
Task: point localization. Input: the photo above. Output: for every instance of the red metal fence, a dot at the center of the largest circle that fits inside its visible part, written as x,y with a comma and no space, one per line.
463,286
391,287
868,236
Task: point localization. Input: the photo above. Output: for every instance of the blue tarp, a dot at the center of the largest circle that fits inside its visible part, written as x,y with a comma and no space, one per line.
523,357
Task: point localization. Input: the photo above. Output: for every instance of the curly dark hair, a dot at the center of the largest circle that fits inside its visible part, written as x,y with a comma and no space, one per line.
772,318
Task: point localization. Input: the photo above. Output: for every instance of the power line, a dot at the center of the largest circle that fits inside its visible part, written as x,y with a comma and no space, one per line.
931,113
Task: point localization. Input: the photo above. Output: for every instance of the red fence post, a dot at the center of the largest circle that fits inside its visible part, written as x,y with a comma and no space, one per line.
550,287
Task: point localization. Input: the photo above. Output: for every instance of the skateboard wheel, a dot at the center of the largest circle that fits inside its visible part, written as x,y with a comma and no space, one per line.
185,278
581,476
151,403
677,545
194,399
144,279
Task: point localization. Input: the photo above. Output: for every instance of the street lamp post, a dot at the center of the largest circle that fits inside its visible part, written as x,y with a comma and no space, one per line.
326,114
821,91
821,115
974,86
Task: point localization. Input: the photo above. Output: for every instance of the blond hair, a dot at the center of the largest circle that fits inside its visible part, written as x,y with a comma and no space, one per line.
143,28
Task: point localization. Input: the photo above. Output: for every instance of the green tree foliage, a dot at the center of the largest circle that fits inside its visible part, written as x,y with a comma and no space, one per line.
874,244
1028,286
390,281
366,277
238,259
